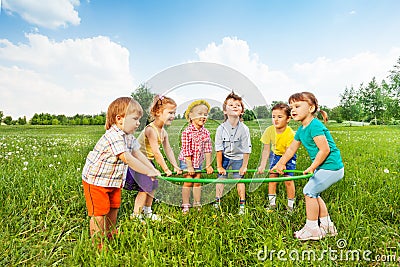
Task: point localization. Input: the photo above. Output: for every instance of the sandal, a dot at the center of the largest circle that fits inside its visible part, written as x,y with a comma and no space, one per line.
306,233
185,208
329,230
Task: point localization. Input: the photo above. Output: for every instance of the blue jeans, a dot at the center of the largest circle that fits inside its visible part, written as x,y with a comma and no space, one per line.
290,165
234,164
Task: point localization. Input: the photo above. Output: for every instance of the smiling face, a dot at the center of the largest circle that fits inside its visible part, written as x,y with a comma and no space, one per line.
280,119
198,115
167,115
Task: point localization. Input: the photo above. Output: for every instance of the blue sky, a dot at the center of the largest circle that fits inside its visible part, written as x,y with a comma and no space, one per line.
71,56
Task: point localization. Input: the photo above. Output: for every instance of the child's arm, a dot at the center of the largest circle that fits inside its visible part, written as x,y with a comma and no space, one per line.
220,169
289,153
322,154
140,156
243,169
137,165
189,164
264,158
170,153
209,168
153,141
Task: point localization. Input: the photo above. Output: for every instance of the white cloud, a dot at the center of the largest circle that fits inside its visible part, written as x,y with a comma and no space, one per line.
326,77
68,77
45,13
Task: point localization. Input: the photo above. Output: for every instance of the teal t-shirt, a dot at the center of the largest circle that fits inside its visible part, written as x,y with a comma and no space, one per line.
316,128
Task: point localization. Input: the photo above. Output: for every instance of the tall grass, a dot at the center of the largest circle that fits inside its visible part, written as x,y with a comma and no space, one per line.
44,221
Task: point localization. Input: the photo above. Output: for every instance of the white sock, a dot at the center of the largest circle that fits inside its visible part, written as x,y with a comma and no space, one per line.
312,224
290,202
326,221
147,209
272,199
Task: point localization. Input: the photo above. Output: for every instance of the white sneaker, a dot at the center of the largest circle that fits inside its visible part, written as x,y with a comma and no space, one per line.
152,216
138,217
217,205
242,211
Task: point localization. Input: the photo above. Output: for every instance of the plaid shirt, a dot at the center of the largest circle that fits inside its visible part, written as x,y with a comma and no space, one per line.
103,167
195,143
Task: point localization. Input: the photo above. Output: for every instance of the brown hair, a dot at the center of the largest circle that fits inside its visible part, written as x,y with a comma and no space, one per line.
159,104
122,106
234,97
311,100
282,106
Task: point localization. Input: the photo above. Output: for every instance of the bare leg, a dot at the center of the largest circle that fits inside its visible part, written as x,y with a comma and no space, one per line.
197,191
140,201
290,189
219,188
241,191
149,198
312,208
323,210
186,193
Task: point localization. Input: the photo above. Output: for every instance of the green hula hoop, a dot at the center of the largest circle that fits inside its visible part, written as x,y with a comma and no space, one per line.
234,181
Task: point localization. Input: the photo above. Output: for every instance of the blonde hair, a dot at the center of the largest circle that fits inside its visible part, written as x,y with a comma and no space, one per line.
234,97
159,104
122,106
311,100
195,104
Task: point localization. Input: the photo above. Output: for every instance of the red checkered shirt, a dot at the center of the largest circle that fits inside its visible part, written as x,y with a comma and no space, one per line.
195,143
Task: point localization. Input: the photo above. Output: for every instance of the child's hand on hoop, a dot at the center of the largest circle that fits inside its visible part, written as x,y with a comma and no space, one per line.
278,168
178,170
260,170
209,170
168,172
221,170
190,170
309,170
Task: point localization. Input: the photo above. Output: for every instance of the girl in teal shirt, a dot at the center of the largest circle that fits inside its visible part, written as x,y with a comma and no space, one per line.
327,165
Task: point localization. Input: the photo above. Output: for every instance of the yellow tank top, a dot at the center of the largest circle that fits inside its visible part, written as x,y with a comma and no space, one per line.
144,142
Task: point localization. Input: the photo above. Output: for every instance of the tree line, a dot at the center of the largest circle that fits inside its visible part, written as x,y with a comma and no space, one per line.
373,102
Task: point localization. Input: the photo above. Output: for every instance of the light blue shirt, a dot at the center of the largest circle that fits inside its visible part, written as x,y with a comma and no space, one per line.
233,141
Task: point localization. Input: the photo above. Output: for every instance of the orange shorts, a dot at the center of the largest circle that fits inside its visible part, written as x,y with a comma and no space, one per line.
99,200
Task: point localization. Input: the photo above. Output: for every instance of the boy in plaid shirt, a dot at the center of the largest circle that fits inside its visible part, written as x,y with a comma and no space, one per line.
106,166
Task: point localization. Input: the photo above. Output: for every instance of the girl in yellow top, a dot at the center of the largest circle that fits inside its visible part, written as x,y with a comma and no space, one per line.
276,139
150,139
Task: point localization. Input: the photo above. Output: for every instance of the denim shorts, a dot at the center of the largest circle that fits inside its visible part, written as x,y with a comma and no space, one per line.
183,166
290,165
234,164
321,180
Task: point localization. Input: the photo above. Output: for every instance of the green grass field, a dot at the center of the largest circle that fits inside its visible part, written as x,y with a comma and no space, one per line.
44,221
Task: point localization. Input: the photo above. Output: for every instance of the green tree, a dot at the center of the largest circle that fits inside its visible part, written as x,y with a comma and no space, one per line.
261,112
372,100
350,108
145,97
1,116
248,115
216,113
21,121
8,120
